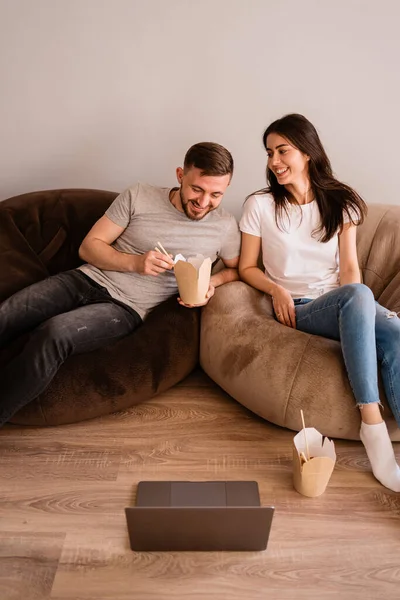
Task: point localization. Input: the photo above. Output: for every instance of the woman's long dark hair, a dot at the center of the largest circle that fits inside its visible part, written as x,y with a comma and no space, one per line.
333,197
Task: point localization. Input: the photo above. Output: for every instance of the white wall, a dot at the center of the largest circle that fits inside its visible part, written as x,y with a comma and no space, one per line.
101,93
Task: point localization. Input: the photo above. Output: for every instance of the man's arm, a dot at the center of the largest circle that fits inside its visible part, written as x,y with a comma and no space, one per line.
96,249
227,274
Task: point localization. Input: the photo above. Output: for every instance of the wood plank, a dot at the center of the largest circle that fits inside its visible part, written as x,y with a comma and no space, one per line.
28,563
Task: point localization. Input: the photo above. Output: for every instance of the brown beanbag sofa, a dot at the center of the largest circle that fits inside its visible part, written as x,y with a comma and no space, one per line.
274,370
40,234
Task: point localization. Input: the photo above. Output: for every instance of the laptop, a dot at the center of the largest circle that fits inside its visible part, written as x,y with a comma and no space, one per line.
198,515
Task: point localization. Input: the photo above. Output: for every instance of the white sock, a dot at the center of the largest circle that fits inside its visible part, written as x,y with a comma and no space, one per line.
381,455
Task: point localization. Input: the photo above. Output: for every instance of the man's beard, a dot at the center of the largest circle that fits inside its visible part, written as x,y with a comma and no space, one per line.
191,216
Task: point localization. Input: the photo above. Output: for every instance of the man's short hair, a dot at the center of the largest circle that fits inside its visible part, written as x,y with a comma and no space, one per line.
212,159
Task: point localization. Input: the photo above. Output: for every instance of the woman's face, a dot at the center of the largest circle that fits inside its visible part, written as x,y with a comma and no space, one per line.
289,165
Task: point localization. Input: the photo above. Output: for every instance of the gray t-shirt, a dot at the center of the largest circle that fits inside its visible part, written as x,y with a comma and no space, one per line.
149,217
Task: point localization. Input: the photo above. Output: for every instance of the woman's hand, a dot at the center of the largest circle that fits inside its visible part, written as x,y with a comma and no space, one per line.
283,305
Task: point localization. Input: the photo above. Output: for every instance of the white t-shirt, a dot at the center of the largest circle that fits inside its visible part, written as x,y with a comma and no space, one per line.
292,256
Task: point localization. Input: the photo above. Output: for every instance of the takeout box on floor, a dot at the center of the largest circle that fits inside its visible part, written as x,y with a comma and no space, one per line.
310,478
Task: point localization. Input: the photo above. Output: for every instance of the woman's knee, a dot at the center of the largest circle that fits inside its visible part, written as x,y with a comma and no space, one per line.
360,295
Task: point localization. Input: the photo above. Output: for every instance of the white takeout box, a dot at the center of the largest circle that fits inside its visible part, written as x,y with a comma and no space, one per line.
193,277
311,478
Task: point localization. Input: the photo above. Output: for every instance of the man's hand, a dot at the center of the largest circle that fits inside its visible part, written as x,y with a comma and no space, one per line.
153,263
209,295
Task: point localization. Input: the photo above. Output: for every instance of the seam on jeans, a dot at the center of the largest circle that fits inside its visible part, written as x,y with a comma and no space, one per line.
358,404
391,386
334,304
295,376
361,405
112,339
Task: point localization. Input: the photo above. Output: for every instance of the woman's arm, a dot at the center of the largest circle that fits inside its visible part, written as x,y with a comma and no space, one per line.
248,269
349,271
252,274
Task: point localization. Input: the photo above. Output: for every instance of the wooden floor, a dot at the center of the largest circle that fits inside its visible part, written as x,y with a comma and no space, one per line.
64,489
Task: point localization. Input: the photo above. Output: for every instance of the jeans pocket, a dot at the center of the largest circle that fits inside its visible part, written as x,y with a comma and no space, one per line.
300,301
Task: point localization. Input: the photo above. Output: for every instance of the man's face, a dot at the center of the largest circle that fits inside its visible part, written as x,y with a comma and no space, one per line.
200,194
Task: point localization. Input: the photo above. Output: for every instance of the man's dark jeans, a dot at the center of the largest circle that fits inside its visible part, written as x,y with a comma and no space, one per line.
65,314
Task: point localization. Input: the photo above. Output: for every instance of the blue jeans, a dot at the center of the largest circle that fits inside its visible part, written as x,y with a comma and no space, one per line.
368,333
65,314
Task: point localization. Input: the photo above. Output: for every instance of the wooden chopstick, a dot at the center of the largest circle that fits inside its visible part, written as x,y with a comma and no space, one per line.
162,249
303,456
305,435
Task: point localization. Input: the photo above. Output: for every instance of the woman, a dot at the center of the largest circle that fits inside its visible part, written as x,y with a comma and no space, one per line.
305,223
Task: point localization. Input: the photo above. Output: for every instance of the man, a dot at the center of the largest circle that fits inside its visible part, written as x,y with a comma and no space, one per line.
125,276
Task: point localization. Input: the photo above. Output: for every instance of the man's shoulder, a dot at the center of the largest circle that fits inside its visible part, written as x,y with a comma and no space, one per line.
144,197
221,214
148,189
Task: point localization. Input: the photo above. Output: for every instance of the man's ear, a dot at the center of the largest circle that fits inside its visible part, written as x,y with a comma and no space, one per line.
179,175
